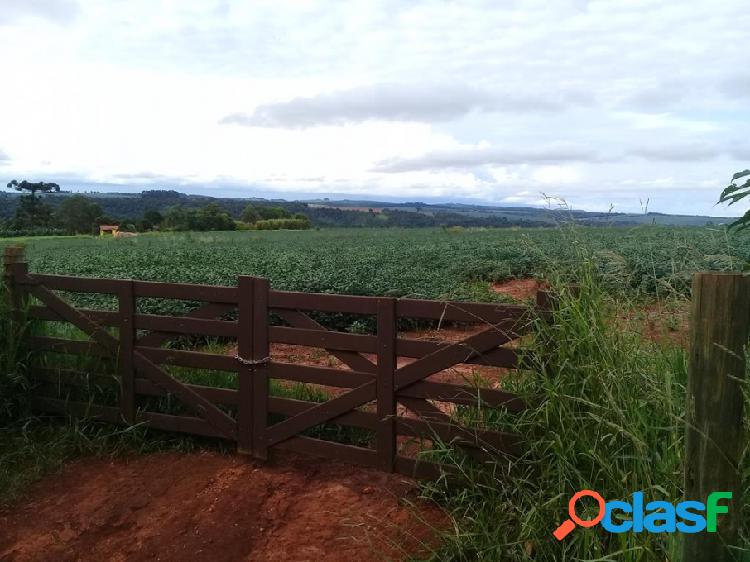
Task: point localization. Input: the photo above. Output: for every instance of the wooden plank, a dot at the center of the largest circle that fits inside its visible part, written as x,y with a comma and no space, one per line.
185,291
207,311
320,413
181,424
213,415
326,376
195,359
226,396
490,441
109,414
425,470
261,355
464,394
164,422
185,325
330,450
456,311
72,376
101,317
715,434
126,368
322,302
325,339
351,359
70,314
455,353
503,357
73,284
68,347
245,373
425,409
291,407
386,391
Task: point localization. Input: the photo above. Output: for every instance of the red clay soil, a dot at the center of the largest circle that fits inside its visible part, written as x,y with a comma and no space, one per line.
518,289
207,506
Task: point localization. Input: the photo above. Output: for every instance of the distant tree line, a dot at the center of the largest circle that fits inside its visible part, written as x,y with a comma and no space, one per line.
45,211
79,214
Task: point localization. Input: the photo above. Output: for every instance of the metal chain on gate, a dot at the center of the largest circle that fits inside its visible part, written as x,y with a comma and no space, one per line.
251,362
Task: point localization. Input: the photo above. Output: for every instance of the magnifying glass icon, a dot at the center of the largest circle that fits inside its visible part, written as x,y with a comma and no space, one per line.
569,524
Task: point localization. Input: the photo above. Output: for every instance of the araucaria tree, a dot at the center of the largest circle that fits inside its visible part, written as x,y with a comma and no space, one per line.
32,211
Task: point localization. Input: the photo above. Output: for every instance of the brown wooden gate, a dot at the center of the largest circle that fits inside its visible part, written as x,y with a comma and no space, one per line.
383,383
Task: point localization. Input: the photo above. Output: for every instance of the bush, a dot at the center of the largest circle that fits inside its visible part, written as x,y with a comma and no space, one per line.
282,224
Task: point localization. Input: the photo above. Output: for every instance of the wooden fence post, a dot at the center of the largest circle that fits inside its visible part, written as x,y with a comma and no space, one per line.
720,325
245,372
14,264
126,302
260,370
386,391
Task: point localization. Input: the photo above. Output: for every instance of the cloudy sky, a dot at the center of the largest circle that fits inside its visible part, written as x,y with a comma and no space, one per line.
601,103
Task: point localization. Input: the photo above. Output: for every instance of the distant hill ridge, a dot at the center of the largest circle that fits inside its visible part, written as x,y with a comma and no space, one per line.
364,213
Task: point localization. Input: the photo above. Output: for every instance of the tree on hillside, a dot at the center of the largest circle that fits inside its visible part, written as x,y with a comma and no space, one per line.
250,215
32,211
210,217
32,188
78,214
150,220
273,213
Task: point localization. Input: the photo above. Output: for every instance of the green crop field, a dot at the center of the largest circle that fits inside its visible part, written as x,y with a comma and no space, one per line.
427,263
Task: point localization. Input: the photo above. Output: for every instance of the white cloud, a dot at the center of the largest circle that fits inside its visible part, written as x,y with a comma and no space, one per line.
602,101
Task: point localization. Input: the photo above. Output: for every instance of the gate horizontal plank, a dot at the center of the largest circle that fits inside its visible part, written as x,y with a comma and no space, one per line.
492,441
504,357
180,424
226,396
109,414
69,347
320,413
330,450
463,394
186,325
321,338
352,359
195,359
102,317
74,284
208,310
457,311
425,470
213,415
327,376
291,407
323,302
451,354
73,377
186,291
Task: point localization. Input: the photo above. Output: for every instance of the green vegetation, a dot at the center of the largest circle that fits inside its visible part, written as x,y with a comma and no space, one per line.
424,263
737,191
609,411
609,417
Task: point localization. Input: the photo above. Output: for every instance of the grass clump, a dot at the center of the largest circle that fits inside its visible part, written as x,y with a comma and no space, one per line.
608,417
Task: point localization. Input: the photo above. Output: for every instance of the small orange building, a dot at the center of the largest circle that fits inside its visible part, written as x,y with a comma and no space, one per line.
112,229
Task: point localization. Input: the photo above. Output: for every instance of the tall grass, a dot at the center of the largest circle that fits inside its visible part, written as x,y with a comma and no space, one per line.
13,382
608,416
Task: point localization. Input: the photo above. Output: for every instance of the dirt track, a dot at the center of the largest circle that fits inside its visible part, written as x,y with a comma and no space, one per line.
207,506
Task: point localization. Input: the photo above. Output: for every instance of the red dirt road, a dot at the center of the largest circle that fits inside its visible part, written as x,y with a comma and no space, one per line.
207,506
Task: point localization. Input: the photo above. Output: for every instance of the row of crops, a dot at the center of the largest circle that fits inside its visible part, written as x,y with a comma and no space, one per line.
424,263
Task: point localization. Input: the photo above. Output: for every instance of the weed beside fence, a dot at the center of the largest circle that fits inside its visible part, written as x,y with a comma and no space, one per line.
609,417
